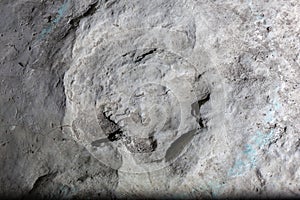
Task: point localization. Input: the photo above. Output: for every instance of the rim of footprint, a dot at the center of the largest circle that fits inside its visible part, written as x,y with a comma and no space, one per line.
134,104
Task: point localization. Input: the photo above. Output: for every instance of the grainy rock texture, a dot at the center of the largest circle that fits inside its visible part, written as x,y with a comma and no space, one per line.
140,99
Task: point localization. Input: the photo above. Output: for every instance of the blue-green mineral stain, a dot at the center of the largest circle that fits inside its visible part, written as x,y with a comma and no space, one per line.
249,156
61,12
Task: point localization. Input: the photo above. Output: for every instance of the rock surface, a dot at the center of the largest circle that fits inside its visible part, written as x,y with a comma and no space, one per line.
160,99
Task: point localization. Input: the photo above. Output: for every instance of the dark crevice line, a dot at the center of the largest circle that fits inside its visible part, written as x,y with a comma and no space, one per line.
89,12
141,57
74,23
40,181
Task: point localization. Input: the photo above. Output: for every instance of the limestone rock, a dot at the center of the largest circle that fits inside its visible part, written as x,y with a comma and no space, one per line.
161,99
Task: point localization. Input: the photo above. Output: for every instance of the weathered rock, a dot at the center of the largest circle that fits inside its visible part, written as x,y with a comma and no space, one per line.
163,98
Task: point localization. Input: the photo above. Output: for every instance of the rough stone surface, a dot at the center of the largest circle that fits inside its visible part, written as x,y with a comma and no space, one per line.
139,99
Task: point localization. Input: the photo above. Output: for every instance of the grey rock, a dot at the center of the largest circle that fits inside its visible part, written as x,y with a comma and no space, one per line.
149,99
